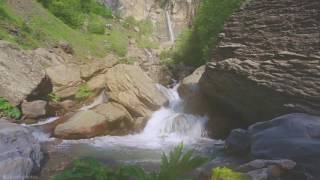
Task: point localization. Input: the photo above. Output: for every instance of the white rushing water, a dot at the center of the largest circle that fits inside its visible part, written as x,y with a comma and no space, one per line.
167,127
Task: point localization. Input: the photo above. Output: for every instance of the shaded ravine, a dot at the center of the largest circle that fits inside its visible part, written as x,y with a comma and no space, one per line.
168,127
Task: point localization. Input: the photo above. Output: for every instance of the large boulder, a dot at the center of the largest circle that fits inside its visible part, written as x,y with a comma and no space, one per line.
131,87
120,122
105,119
294,136
84,124
266,63
196,102
34,109
20,153
21,73
65,79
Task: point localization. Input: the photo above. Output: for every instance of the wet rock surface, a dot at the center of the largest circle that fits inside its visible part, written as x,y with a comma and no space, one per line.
293,136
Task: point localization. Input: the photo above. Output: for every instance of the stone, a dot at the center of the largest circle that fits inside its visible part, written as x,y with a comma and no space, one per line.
67,105
95,67
20,152
66,47
196,102
260,169
189,85
238,142
97,83
34,109
84,124
261,163
294,136
21,73
119,120
275,69
105,119
129,86
65,79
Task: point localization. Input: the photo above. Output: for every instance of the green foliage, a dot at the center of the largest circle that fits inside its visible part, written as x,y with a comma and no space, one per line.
9,110
141,31
96,24
74,12
54,98
14,29
84,170
223,173
209,22
177,164
83,93
173,167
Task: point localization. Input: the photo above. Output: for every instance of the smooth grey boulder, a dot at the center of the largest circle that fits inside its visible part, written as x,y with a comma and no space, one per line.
238,142
293,136
20,153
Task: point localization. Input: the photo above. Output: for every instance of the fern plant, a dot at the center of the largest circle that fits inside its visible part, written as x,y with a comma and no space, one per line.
173,167
8,110
178,163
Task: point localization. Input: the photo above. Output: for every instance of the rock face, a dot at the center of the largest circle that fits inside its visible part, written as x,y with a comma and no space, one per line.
181,13
294,136
267,61
131,87
65,79
20,153
196,102
21,73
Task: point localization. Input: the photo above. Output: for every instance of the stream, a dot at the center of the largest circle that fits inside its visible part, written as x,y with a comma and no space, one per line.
168,127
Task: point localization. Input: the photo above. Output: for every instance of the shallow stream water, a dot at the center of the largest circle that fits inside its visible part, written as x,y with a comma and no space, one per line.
168,127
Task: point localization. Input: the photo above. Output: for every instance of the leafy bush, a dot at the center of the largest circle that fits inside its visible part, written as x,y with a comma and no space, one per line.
83,93
83,170
223,173
9,110
74,12
96,24
173,167
209,22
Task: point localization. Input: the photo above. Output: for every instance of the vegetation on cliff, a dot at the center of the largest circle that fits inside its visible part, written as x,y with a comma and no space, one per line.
89,27
194,46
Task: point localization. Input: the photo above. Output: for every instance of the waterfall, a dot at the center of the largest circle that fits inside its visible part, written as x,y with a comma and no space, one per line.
169,24
168,126
171,120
